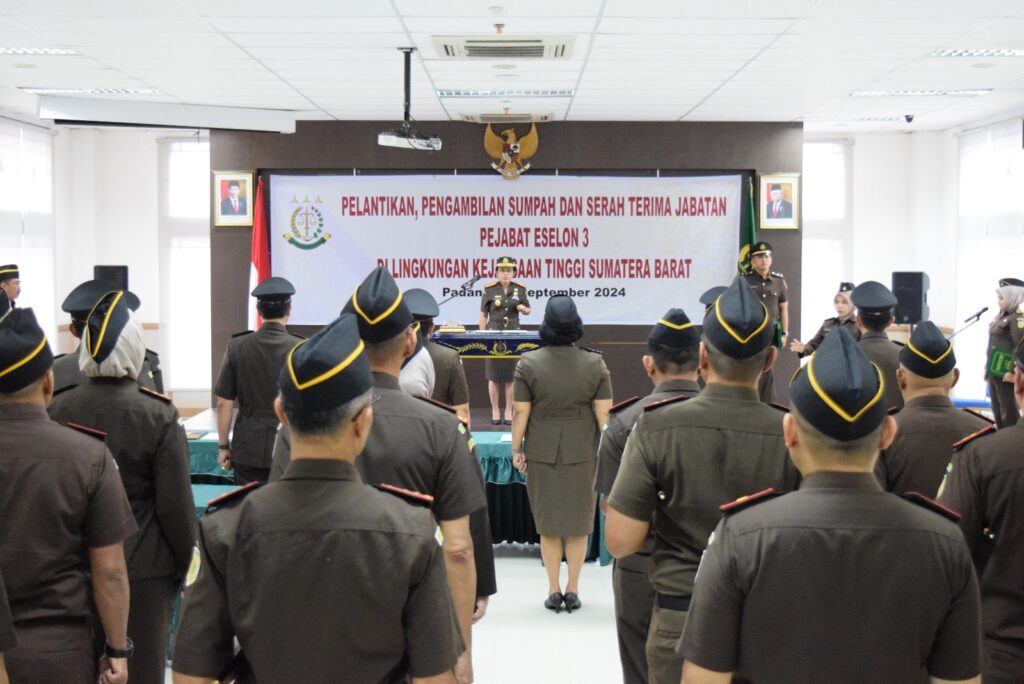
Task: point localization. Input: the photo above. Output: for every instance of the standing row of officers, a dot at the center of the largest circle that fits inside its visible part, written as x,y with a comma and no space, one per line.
838,580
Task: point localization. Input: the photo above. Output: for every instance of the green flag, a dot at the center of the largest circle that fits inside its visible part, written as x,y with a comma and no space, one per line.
748,232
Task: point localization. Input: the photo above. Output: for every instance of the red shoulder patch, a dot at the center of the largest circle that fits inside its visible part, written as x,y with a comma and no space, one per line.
932,505
893,410
233,494
92,432
64,389
987,430
979,414
749,500
244,332
779,407
623,404
156,395
408,494
665,402
435,402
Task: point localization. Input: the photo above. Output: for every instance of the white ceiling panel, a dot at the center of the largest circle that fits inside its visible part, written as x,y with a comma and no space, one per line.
447,26
129,24
84,41
275,8
321,40
734,9
664,25
486,8
871,26
293,24
94,8
682,54
913,9
690,40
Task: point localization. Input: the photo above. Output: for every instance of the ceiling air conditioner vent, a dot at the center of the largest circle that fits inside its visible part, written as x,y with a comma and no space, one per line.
495,118
504,47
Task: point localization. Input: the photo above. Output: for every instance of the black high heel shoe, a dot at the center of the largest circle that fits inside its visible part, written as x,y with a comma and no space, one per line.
572,602
495,421
554,602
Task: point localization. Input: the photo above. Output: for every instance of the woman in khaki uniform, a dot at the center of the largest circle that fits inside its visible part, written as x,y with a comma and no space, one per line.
562,394
1004,332
503,301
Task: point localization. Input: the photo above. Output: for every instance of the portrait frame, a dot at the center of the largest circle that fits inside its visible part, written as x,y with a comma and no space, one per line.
789,183
220,194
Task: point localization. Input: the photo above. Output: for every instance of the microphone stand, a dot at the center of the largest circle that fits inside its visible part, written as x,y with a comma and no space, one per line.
976,319
465,286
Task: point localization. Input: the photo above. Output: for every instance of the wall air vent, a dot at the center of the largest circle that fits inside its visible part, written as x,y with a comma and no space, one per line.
497,118
504,47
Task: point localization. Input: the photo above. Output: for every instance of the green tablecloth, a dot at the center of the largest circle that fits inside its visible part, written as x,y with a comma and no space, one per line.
202,493
202,453
496,458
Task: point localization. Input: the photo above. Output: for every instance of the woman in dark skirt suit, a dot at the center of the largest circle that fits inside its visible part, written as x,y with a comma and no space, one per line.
561,395
503,302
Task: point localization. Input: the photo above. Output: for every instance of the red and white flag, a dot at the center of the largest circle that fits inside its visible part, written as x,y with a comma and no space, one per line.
259,268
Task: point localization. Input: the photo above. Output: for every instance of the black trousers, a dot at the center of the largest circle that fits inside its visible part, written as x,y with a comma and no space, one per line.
48,653
245,474
149,620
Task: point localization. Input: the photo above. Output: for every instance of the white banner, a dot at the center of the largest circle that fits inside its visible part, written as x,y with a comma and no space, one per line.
626,249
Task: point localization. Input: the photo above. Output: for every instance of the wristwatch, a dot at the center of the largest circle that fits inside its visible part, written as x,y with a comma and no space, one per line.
224,447
126,652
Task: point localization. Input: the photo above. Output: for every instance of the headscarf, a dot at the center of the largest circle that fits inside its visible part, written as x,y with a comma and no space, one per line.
853,310
126,359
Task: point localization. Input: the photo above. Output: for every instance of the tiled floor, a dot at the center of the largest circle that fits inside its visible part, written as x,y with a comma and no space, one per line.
520,642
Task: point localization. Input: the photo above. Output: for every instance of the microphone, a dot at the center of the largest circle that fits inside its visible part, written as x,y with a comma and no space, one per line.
975,316
472,281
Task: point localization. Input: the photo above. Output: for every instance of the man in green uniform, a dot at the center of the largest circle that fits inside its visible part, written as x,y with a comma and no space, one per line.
839,581
450,386
320,576
770,288
875,305
503,302
248,378
986,485
151,453
684,459
65,519
673,352
929,424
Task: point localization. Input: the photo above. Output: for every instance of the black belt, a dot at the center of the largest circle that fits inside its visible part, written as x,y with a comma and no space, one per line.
680,603
53,621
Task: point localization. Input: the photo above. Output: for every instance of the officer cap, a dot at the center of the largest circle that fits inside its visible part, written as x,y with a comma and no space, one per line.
927,353
421,303
328,369
506,262
25,356
9,272
737,324
841,393
760,248
379,307
274,289
674,329
873,299
104,324
80,300
845,287
1003,282
560,313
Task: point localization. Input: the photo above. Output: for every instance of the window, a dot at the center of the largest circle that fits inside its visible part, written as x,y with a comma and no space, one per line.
824,177
188,179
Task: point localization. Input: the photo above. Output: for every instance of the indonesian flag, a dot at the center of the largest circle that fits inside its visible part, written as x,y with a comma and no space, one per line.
259,268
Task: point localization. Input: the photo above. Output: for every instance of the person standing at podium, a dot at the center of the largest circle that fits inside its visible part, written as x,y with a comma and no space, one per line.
503,302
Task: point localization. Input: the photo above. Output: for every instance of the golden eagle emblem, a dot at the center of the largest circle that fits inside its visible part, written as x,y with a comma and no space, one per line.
511,154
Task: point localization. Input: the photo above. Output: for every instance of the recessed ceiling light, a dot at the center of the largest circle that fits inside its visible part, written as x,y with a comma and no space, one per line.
90,91
507,77
24,65
958,92
504,66
505,93
978,52
27,51
983,65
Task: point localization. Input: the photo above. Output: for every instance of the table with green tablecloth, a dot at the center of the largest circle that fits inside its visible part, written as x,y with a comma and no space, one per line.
507,501
202,451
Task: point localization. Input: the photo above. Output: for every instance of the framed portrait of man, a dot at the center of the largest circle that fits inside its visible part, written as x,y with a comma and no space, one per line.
233,195
780,201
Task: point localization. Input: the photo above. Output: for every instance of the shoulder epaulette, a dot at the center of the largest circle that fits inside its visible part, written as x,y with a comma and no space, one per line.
59,356
748,501
623,404
301,337
665,402
63,389
779,407
777,274
979,414
244,332
592,351
899,344
435,402
893,410
518,284
987,430
932,505
407,494
233,494
92,432
156,395
439,343
491,284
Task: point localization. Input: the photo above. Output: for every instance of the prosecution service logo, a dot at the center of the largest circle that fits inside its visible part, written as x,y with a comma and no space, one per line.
306,224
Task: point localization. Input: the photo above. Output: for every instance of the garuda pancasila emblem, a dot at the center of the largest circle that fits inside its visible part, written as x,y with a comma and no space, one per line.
511,154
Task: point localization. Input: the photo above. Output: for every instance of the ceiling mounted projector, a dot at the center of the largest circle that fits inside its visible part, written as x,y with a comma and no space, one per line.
406,136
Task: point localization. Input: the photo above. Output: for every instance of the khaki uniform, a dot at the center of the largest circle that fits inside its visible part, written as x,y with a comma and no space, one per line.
450,386
986,486
850,324
681,463
66,372
771,291
68,499
561,383
321,578
248,376
918,456
8,639
151,453
1005,338
882,351
634,595
838,582
500,307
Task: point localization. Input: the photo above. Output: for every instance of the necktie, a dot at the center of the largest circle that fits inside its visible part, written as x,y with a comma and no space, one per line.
775,210
234,203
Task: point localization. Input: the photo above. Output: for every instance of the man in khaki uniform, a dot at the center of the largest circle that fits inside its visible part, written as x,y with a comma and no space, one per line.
673,352
771,289
684,459
321,577
929,424
875,305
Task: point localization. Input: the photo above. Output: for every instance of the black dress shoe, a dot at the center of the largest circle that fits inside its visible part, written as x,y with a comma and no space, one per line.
508,422
554,602
495,421
572,602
